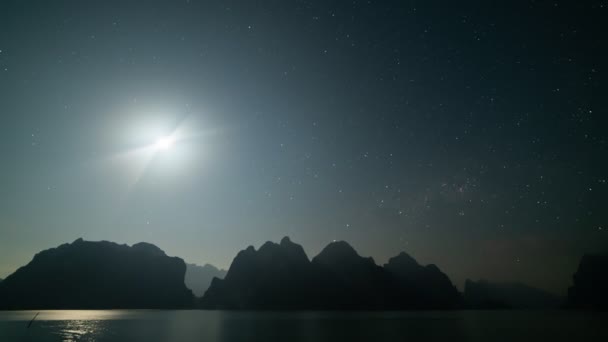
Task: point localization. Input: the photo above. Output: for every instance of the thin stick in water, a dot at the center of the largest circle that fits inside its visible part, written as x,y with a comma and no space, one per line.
32,321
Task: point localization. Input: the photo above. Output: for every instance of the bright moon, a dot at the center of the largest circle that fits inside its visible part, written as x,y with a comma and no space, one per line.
164,143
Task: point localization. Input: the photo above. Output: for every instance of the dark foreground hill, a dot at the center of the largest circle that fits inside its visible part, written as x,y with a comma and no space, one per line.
280,276
486,295
590,287
98,275
198,278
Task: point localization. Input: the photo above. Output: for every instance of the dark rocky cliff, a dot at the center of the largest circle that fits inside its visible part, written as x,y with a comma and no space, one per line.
98,275
590,283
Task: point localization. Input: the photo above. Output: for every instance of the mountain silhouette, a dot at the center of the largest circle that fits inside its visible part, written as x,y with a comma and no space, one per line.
487,295
198,278
422,286
350,281
277,276
280,276
98,275
590,287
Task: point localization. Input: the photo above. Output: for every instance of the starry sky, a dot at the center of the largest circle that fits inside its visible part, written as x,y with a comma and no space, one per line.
471,134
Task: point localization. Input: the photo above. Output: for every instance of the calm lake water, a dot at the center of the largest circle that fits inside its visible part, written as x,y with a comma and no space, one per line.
156,326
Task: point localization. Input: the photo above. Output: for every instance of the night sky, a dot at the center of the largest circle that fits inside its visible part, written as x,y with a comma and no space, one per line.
469,134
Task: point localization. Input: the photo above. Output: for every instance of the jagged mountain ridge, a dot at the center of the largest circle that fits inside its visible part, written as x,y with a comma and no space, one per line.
280,276
275,276
94,275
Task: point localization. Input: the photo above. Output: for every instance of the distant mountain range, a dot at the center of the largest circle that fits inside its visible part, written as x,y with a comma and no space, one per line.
487,295
277,276
198,278
98,275
280,276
